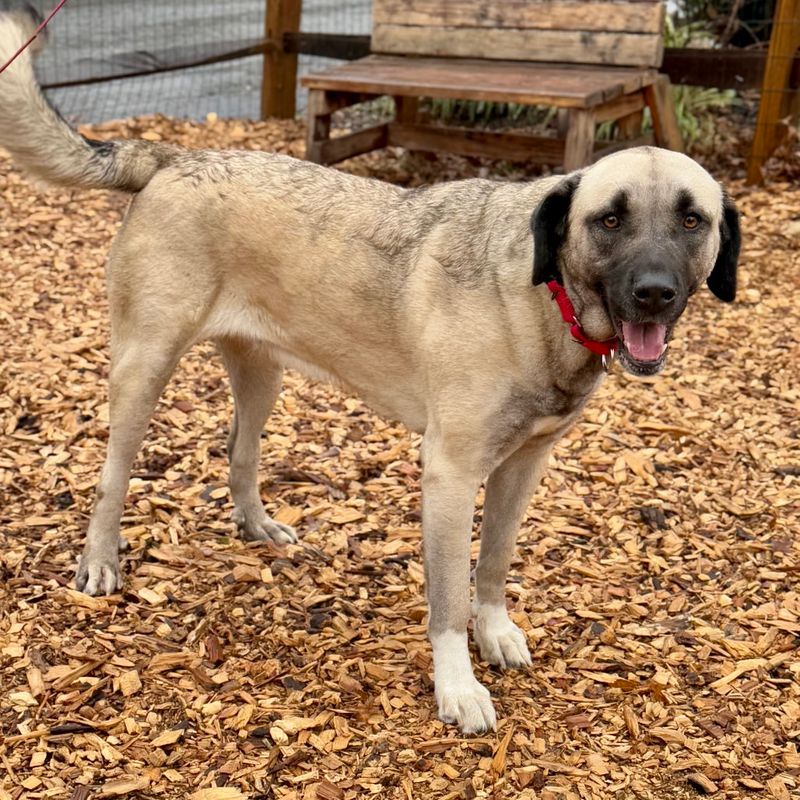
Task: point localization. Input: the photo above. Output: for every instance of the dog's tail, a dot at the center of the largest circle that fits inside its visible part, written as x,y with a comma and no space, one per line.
42,142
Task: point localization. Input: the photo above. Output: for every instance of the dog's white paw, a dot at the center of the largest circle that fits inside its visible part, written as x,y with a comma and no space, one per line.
466,702
461,699
500,641
99,572
258,527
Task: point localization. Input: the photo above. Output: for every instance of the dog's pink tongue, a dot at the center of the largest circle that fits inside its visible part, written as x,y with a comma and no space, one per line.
644,340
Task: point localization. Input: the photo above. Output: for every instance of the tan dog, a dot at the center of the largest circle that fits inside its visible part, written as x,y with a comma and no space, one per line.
426,302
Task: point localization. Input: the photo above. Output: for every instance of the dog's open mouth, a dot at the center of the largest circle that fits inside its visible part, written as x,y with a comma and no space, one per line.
644,341
644,346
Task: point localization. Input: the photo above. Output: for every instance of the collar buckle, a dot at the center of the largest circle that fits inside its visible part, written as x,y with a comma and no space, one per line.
606,350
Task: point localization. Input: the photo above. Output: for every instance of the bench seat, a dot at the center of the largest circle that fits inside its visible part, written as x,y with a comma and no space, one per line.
530,83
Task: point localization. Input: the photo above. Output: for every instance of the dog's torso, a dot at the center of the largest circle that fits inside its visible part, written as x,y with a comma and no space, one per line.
402,295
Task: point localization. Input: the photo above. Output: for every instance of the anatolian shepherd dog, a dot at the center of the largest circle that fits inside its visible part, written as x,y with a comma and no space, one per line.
430,303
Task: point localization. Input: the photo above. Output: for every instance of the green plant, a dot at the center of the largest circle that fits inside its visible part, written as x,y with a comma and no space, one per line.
484,112
695,106
686,34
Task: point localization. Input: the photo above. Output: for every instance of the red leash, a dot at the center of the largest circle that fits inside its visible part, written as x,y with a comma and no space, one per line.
606,348
35,34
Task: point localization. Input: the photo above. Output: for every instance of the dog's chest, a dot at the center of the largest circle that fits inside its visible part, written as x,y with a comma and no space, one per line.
526,414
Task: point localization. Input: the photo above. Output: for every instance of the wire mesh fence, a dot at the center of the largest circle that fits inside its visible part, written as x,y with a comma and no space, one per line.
95,39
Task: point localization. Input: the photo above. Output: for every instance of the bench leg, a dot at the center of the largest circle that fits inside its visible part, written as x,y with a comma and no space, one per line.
319,124
406,109
579,146
320,148
562,122
630,126
666,130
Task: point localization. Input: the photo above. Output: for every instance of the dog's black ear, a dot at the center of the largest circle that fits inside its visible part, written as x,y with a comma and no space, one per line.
549,228
722,280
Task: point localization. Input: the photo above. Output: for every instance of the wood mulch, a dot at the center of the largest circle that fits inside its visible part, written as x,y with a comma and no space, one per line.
656,576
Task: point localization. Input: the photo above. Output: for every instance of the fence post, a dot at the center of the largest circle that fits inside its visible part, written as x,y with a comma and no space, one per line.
775,93
279,81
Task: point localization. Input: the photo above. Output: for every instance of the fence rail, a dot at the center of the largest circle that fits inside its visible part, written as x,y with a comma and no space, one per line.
162,61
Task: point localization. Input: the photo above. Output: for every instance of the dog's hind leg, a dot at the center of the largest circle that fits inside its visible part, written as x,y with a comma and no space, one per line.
256,382
508,492
142,362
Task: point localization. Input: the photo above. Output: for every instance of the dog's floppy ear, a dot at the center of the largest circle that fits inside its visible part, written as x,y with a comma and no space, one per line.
549,228
722,280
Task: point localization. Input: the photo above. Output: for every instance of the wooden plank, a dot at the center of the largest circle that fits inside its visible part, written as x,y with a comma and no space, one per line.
633,80
630,126
406,109
659,100
562,122
279,76
577,47
728,68
474,79
622,106
318,114
485,144
327,45
338,149
328,102
567,15
783,43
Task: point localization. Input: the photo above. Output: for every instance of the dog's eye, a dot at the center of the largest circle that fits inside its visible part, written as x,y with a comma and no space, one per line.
611,221
691,221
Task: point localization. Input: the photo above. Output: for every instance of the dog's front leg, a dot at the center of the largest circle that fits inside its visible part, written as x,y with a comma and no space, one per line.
508,492
448,504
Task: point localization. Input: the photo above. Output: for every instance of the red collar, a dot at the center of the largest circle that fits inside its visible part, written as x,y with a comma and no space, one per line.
606,348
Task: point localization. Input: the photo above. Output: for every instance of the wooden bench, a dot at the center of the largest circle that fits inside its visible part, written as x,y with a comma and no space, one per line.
595,61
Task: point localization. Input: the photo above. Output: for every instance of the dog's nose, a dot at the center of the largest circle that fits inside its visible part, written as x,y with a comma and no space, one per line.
654,291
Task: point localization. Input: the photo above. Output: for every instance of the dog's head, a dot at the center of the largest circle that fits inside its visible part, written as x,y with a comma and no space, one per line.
632,238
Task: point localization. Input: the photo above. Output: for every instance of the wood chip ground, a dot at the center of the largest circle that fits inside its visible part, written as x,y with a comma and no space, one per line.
656,576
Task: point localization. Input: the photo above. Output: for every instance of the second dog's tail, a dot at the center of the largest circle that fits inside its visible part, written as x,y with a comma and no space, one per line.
42,142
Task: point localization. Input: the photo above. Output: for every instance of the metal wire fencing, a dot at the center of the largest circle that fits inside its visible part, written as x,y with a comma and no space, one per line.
98,51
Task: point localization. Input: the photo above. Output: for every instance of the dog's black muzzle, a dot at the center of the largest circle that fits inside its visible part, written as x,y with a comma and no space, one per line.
645,298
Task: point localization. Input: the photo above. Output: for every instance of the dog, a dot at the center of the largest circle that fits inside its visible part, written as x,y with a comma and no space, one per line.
434,304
